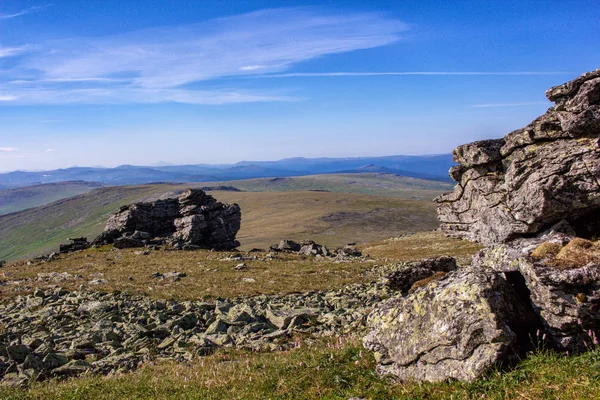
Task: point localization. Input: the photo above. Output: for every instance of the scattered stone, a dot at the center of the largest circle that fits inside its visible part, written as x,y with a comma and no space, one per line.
310,248
241,267
107,332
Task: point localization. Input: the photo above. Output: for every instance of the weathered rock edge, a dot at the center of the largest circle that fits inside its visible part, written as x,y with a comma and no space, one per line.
483,315
194,220
533,177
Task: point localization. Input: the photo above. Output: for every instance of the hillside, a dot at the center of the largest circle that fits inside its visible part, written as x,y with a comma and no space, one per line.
379,184
331,218
12,200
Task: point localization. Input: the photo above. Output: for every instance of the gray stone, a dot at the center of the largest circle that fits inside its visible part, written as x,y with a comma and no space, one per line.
194,220
72,368
534,177
564,299
456,328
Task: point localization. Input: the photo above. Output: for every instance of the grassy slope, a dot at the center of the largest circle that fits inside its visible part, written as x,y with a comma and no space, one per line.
338,369
373,184
13,200
267,217
40,230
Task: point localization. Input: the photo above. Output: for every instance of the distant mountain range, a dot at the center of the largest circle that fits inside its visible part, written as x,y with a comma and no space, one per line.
432,167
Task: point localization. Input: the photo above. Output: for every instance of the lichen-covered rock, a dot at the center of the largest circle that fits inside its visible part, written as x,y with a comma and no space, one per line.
533,177
565,298
457,327
194,220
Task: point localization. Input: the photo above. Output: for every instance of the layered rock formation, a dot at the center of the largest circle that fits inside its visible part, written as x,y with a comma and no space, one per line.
193,220
527,196
533,177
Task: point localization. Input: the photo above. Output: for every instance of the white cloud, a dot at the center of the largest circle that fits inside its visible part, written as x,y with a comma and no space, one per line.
155,65
531,103
32,95
8,149
50,150
7,98
252,67
12,51
23,12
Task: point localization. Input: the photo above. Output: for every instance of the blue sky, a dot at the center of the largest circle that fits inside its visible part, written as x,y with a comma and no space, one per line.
184,82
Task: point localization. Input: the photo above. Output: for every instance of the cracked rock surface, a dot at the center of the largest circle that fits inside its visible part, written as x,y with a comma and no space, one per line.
193,220
533,177
457,327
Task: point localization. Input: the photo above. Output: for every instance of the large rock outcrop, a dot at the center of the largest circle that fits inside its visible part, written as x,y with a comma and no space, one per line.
533,177
193,220
527,197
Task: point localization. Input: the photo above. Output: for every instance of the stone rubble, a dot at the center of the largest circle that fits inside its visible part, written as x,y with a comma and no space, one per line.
55,333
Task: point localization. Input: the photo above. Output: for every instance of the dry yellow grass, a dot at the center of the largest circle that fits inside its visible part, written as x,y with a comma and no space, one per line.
424,282
333,219
422,245
545,250
211,274
577,253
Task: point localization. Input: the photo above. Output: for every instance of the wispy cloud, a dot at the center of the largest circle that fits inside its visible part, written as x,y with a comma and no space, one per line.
12,51
530,103
159,64
426,73
8,149
23,12
50,150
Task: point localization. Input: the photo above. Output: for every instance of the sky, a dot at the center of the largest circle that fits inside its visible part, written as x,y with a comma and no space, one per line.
149,82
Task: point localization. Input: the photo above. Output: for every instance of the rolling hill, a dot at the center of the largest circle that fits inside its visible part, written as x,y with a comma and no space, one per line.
332,218
13,200
379,184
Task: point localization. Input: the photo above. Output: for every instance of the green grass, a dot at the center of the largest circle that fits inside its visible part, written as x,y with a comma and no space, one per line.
13,200
266,218
323,370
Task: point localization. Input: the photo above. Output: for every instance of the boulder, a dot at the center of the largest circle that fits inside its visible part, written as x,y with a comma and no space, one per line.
193,220
533,177
457,327
75,245
564,296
